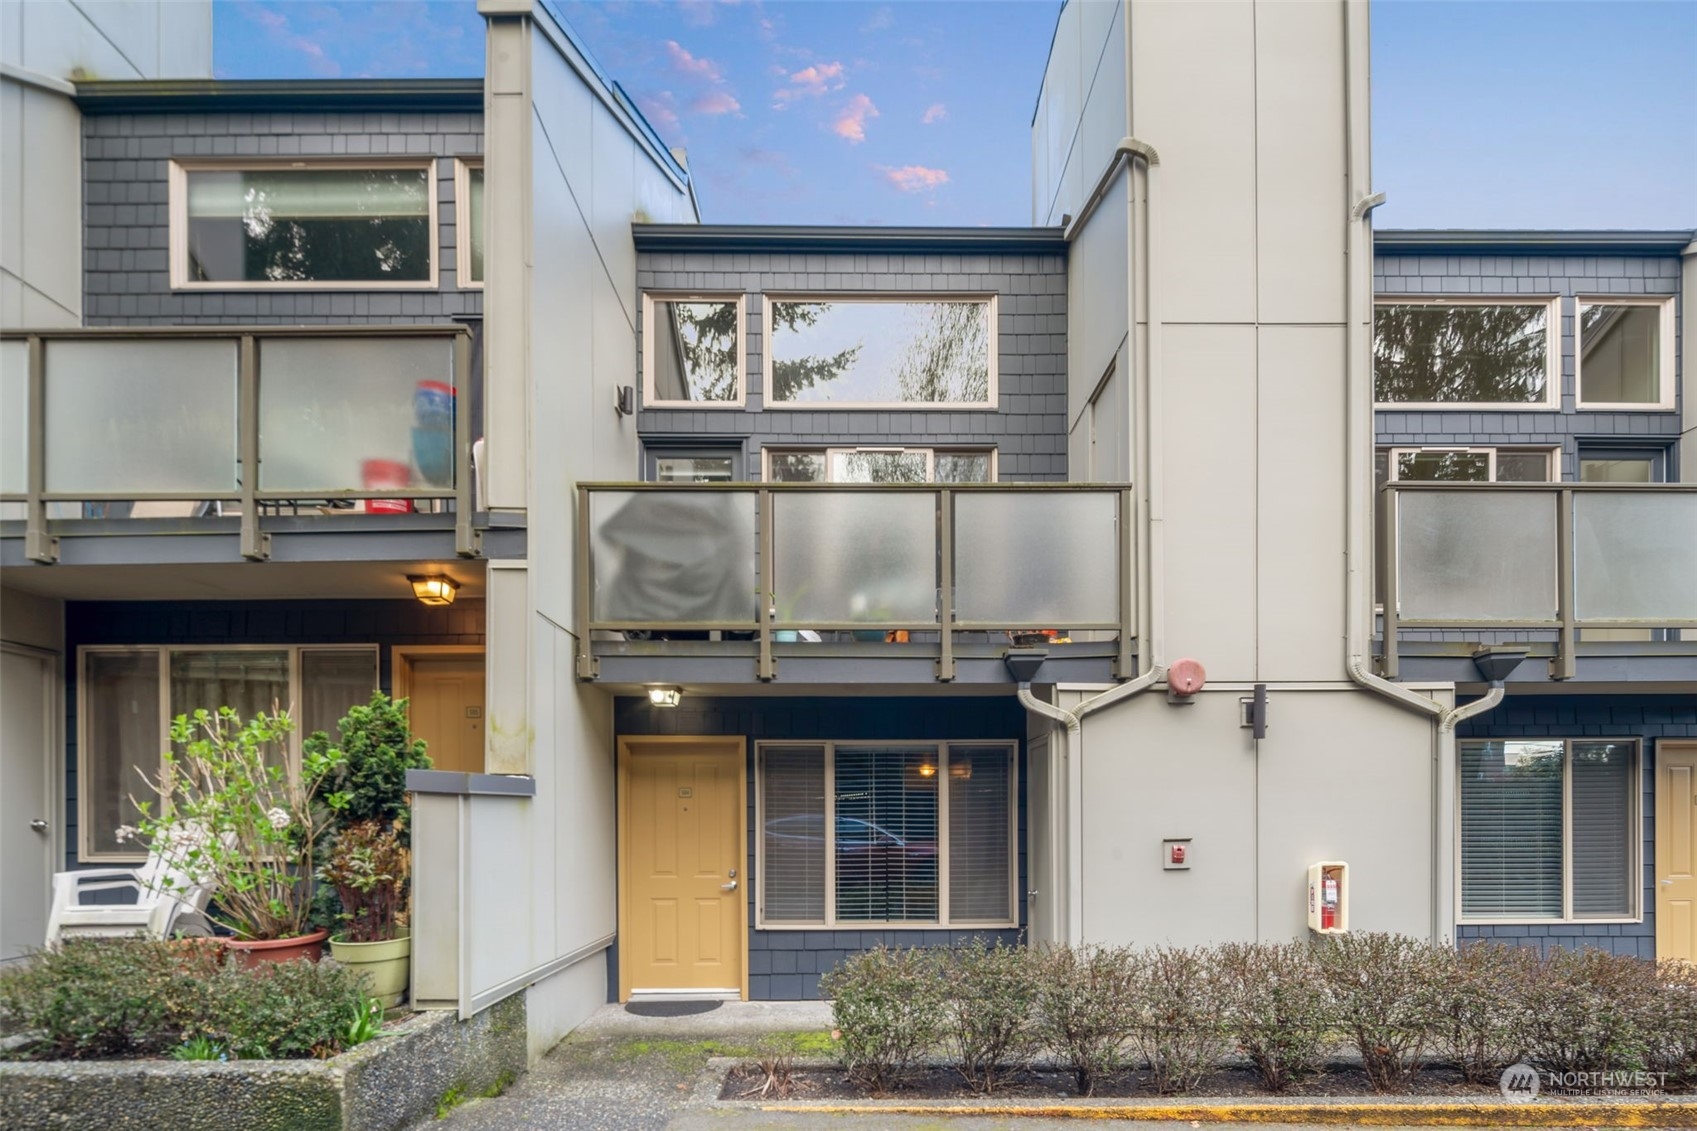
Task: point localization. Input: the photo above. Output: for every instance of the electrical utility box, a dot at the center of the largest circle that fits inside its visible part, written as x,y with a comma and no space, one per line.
1328,897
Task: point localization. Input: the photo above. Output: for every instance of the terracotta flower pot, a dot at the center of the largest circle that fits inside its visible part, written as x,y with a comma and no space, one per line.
387,964
256,952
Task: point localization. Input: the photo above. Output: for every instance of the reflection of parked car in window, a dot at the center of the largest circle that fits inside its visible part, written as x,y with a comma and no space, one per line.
861,844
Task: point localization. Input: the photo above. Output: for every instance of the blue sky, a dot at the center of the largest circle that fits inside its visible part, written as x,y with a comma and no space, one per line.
1486,113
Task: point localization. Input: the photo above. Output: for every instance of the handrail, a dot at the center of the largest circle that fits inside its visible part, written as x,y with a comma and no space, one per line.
42,534
1565,620
761,554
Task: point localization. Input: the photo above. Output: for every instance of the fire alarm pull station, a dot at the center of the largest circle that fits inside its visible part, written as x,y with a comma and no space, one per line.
1175,854
1328,897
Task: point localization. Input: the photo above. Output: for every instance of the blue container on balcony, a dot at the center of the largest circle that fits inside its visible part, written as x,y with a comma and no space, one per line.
433,454
433,404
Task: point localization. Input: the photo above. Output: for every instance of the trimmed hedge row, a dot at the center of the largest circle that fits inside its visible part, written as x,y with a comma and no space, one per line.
1397,1002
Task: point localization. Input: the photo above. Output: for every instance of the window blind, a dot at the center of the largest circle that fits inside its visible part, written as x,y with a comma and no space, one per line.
1511,829
333,680
793,806
886,834
120,701
1602,830
979,798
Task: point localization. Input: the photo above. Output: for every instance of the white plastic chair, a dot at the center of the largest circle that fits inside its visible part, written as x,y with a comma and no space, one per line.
168,895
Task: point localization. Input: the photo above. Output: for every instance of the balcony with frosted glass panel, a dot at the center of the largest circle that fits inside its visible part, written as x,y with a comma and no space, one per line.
247,432
803,583
1597,579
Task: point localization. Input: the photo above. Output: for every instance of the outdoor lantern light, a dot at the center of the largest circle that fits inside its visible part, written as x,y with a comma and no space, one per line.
665,696
434,588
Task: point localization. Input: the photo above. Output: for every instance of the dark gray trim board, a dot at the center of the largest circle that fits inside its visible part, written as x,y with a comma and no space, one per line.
787,237
152,96
1439,241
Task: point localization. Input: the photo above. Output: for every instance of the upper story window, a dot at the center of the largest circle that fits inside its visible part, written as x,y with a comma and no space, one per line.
468,226
303,225
1464,465
830,352
881,465
693,351
1625,352
1466,353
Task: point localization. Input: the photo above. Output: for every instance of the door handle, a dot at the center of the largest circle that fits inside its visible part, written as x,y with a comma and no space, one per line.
732,886
1667,883
38,825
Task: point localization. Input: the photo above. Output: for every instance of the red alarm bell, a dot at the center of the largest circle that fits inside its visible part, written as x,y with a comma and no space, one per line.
1185,677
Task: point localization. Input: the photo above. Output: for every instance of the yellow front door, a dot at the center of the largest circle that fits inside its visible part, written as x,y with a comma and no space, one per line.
682,897
445,709
1676,850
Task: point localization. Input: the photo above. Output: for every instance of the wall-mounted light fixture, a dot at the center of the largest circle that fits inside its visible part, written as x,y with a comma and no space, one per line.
665,696
433,588
624,400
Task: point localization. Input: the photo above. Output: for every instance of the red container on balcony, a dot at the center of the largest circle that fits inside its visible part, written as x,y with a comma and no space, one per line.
381,474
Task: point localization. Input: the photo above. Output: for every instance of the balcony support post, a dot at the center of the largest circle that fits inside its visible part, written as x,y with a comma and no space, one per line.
587,668
1124,667
1563,666
468,540
39,546
1386,569
946,585
256,546
765,601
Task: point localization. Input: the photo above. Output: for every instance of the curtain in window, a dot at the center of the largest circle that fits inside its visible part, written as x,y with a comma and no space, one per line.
1511,829
1602,830
250,682
332,680
793,806
979,799
120,738
886,834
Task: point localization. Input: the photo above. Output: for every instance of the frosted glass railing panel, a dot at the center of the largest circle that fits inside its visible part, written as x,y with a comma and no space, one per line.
14,417
1005,574
676,557
1475,556
1635,556
141,415
340,414
855,557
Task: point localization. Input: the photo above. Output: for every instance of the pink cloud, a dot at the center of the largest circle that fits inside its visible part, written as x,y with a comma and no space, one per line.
811,81
277,28
936,112
696,13
715,102
850,123
693,65
914,178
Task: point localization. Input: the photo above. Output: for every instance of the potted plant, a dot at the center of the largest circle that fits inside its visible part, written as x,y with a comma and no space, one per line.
375,749
251,827
369,866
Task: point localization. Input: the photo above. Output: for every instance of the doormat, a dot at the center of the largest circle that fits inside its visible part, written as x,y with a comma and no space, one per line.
671,1008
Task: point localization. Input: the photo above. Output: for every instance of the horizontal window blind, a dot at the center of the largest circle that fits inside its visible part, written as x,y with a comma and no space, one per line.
1511,829
979,802
1602,830
886,834
792,800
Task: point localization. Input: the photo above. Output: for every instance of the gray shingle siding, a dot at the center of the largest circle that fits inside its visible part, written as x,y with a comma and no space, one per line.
126,269
1028,427
1564,275
1646,717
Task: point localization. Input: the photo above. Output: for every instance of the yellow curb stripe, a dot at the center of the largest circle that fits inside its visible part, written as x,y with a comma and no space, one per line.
1369,1115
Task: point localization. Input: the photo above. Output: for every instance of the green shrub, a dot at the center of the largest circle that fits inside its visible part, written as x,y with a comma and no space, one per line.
1384,992
1481,995
991,993
1588,1011
1086,1008
1670,1045
377,749
1178,1002
888,1006
1274,1004
284,1010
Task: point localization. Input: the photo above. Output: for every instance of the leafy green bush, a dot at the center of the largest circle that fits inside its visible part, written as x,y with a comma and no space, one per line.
1671,1024
1384,993
104,998
991,993
1178,1000
888,1006
377,749
1481,993
1087,1008
1587,1011
1274,1004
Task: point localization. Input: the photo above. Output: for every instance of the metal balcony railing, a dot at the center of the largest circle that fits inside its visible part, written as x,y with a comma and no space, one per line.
181,422
1553,556
775,559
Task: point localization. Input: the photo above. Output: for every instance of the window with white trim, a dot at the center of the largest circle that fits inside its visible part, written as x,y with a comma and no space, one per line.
320,225
1625,353
886,832
468,226
127,697
1463,465
693,352
831,351
1549,829
880,465
1466,352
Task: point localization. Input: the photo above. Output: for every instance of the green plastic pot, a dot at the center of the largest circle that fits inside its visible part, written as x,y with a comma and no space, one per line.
387,965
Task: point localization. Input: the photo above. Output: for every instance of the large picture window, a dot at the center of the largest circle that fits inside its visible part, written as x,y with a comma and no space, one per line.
127,698
830,352
908,833
1549,829
1625,353
318,226
1454,353
880,465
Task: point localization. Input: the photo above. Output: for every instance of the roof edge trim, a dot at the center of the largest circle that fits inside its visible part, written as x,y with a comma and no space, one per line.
152,96
1530,242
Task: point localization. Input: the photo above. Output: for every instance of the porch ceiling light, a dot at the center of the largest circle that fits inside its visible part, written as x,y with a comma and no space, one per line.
665,696
433,588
